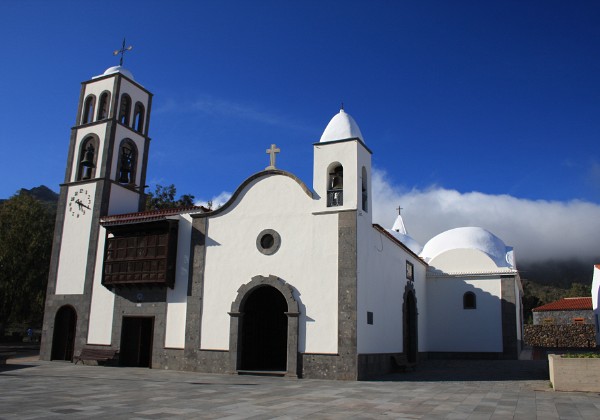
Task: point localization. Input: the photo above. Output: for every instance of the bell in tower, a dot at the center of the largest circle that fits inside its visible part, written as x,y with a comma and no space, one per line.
88,162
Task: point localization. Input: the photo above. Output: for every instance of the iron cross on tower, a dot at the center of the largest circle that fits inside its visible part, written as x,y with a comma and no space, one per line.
272,152
122,51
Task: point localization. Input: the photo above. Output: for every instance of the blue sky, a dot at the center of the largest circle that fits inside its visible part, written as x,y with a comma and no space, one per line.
500,98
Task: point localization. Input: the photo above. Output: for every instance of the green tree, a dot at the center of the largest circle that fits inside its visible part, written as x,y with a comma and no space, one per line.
164,198
26,229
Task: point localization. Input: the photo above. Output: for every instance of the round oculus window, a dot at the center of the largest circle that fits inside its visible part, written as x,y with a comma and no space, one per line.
268,242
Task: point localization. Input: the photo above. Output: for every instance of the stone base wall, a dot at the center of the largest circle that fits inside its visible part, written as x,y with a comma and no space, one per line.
562,317
325,366
561,336
574,374
370,365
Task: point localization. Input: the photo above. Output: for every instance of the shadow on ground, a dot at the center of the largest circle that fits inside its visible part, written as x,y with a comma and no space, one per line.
472,370
11,367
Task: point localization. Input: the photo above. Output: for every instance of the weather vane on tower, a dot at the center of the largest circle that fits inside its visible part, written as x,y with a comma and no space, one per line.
122,51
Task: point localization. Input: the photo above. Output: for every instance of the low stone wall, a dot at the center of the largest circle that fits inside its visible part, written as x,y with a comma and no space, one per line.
574,374
560,336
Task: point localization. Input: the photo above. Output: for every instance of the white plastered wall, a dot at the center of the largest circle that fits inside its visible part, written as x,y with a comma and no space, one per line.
72,261
306,260
122,200
450,327
381,285
177,297
103,300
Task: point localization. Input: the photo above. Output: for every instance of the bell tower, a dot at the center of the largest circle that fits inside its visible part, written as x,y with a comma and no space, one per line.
105,174
342,168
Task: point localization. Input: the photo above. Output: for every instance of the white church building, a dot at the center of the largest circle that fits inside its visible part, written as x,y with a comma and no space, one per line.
286,278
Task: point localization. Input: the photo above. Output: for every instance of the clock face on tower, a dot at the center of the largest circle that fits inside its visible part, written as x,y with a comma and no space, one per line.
80,202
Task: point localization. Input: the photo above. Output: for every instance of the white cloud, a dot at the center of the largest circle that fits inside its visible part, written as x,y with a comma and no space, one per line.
216,201
537,229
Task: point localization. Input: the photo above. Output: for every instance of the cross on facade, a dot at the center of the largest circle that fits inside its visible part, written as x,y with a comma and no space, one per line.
122,51
399,210
272,151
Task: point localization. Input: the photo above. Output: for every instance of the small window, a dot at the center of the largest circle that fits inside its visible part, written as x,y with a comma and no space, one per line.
410,271
88,109
125,109
103,105
268,242
370,318
578,321
469,301
127,162
365,195
138,117
335,187
548,321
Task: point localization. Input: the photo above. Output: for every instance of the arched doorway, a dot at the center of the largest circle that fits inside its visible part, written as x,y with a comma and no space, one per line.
410,326
264,330
63,339
264,327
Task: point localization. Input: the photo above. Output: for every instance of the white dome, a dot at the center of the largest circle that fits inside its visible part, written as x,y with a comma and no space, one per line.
341,127
119,69
469,238
407,240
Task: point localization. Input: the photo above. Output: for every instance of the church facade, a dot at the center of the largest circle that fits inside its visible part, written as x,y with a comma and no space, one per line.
283,278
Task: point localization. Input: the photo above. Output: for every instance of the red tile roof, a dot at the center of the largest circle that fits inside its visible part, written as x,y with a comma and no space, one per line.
147,216
567,304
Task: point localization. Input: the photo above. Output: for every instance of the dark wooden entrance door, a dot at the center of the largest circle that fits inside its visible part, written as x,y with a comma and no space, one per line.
63,339
410,327
136,341
264,330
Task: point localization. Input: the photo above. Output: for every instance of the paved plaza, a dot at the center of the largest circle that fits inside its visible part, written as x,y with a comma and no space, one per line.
30,389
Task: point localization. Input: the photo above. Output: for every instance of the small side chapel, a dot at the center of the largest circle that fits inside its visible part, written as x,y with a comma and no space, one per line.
284,278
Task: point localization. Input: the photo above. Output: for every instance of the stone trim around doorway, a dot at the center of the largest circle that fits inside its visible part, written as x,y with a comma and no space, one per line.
236,320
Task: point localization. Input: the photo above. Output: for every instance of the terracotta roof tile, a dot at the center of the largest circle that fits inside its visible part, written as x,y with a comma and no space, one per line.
567,304
147,216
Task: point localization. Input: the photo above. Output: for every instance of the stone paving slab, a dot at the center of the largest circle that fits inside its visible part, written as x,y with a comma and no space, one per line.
501,390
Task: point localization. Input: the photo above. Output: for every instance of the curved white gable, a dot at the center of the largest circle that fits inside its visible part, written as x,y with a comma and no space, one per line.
469,238
342,126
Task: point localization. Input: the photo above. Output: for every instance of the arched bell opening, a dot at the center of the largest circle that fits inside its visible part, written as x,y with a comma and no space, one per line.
63,339
88,153
264,328
335,185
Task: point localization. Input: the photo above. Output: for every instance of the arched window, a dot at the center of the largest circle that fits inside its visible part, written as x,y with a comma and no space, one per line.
138,117
469,301
335,186
103,106
86,168
365,194
88,109
125,109
126,166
